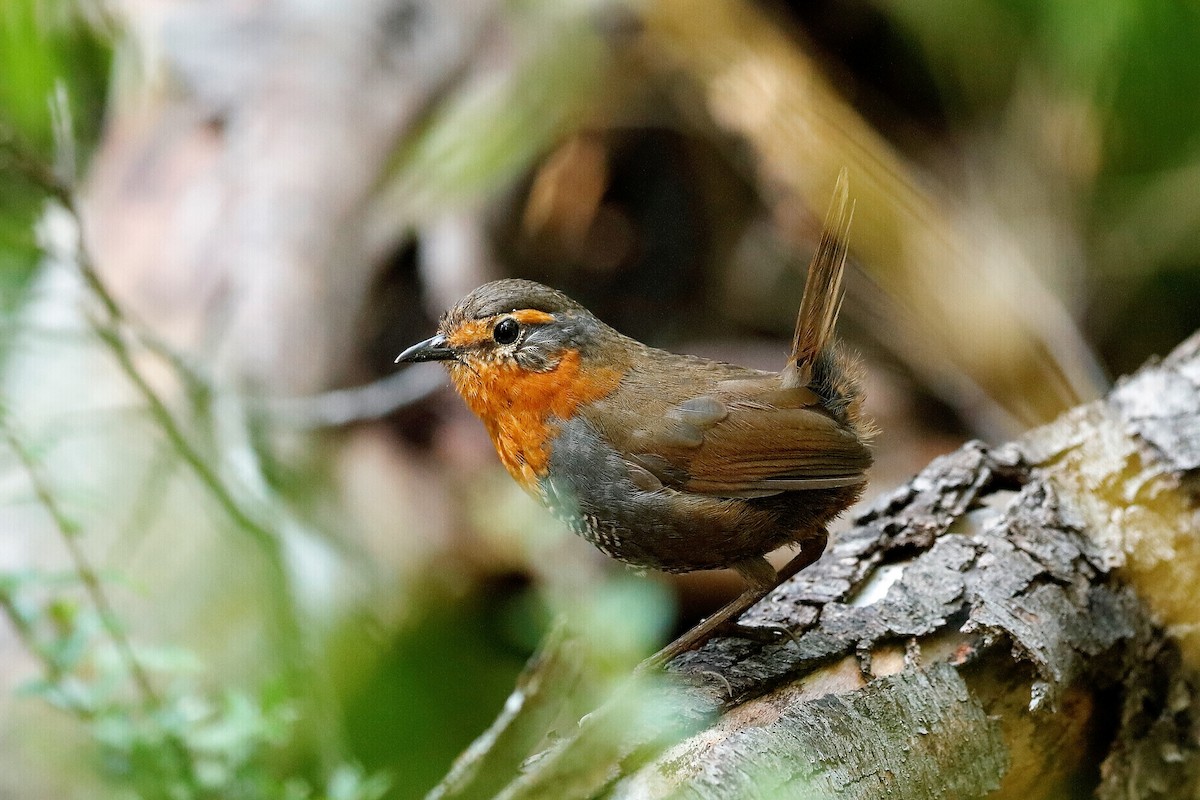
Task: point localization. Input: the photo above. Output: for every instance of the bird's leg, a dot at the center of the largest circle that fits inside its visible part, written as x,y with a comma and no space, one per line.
702,632
762,578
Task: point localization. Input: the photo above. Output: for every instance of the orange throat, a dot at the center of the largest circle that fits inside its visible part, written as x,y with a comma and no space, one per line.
522,410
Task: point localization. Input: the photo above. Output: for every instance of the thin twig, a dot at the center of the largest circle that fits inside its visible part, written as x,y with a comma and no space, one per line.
370,401
22,160
53,670
111,328
25,162
91,583
69,532
59,187
166,421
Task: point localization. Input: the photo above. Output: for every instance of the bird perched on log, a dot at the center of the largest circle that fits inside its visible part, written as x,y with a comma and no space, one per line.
668,461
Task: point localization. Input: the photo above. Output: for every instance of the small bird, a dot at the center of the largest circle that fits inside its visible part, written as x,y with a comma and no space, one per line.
667,461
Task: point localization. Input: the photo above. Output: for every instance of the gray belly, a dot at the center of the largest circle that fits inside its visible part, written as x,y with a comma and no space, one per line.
591,489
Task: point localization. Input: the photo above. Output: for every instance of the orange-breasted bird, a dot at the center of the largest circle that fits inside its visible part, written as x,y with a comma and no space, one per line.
660,460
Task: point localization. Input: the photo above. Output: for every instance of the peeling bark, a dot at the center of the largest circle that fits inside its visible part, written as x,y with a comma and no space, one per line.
889,724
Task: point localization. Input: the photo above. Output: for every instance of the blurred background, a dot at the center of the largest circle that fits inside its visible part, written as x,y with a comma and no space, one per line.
243,555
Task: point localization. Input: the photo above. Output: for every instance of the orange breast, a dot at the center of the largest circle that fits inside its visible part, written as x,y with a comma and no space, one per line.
520,408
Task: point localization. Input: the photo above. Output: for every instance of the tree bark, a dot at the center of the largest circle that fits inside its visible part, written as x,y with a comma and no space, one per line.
1016,621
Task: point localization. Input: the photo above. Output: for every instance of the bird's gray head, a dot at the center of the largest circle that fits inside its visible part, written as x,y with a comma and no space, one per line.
511,321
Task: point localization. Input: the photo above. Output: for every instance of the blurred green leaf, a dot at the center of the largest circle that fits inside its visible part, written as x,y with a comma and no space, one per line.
42,45
68,650
1153,117
67,693
350,783
430,692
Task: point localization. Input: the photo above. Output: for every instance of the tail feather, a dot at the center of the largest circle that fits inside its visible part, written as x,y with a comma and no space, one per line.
822,291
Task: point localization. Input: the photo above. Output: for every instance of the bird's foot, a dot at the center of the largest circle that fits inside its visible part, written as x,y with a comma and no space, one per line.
767,634
728,628
719,622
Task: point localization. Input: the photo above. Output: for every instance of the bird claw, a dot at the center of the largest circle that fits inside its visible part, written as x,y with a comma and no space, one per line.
722,679
768,634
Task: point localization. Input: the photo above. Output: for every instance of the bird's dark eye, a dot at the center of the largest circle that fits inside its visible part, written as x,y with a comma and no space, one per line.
506,331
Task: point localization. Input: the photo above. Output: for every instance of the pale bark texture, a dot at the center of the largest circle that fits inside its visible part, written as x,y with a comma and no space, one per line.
1016,621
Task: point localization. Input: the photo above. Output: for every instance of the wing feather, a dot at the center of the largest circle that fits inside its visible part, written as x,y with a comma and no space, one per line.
750,447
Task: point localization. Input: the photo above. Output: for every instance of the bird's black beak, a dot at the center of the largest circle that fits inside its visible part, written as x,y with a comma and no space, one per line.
432,349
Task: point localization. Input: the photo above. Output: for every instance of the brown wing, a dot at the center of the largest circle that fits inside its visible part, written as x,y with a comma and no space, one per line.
730,446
